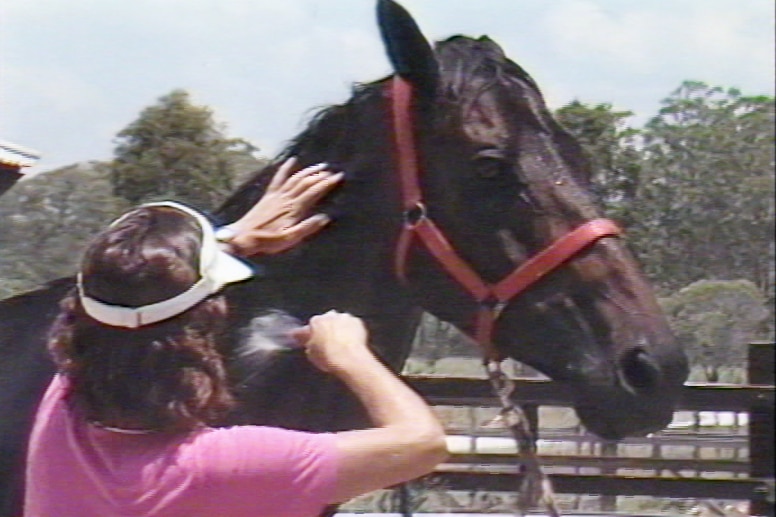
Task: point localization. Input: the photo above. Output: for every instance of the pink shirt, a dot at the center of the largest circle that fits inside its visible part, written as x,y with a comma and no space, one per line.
77,469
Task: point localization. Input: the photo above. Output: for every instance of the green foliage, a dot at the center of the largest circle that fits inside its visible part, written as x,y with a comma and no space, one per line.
704,206
47,221
610,147
11,286
716,320
175,150
694,188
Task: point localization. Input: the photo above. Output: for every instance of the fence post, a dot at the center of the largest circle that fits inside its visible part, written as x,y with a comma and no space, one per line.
760,371
405,508
609,449
531,412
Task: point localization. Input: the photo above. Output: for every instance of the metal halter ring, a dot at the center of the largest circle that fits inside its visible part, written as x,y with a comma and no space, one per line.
415,215
494,305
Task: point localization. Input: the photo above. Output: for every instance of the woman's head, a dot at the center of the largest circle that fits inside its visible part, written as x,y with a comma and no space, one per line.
149,255
138,337
158,259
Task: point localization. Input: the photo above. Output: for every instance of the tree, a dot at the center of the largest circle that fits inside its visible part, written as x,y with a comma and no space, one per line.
716,320
610,146
704,204
176,150
47,221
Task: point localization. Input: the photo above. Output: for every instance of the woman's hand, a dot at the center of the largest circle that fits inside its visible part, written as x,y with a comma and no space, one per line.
335,342
280,220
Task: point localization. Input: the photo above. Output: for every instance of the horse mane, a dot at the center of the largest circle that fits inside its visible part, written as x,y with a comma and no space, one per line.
333,134
329,127
465,61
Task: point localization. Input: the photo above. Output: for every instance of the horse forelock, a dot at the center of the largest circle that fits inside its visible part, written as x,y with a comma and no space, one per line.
465,61
472,67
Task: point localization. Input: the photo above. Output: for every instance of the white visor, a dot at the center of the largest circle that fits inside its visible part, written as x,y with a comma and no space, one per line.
216,269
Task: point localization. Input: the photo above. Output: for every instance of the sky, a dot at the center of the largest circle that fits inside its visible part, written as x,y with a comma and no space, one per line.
73,73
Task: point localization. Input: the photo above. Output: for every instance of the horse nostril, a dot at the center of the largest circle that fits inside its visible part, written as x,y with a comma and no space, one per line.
639,371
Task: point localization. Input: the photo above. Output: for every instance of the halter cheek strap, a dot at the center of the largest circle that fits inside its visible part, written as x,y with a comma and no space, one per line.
492,298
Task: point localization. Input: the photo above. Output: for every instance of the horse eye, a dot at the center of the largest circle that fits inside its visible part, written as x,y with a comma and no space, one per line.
489,168
490,163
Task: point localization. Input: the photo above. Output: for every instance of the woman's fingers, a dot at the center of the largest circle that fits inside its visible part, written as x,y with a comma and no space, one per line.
295,234
309,226
282,239
303,178
282,174
313,188
305,186
302,335
279,219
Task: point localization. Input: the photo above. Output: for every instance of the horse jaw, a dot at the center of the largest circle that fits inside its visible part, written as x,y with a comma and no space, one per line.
609,343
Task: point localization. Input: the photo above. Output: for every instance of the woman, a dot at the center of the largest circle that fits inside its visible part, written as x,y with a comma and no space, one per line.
127,425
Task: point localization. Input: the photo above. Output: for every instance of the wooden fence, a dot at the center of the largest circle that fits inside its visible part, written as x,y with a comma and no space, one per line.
752,478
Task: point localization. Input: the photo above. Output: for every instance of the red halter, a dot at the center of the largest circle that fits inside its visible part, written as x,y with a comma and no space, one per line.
491,297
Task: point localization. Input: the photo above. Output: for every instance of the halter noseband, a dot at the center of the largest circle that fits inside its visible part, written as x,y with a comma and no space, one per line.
492,298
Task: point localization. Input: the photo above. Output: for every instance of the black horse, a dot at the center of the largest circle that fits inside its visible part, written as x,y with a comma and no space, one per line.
8,177
499,177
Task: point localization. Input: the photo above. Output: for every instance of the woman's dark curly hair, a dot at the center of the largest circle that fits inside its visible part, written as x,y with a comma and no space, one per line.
167,376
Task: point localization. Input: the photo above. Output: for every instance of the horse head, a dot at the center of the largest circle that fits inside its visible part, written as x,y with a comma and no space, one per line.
503,181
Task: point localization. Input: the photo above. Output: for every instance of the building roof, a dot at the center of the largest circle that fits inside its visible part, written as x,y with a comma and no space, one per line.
14,155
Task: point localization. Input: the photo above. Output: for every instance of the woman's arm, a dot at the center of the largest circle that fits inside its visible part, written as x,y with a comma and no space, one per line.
407,441
280,219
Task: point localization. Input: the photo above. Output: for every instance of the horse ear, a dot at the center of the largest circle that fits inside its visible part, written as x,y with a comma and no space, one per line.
408,50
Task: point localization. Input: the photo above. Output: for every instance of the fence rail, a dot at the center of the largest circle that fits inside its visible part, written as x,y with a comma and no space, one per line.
492,472
507,463
469,391
700,488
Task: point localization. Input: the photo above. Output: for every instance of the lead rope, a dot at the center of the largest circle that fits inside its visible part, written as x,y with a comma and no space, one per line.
535,486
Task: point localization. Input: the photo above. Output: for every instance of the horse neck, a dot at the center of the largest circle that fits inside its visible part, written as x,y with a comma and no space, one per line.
348,266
